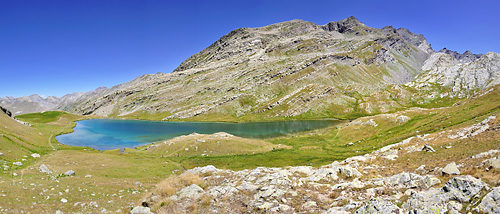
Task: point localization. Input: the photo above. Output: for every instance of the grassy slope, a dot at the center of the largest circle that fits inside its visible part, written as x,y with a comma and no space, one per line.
327,145
115,174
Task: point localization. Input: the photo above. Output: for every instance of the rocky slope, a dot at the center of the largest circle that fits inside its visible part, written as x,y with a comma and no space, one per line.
379,182
291,69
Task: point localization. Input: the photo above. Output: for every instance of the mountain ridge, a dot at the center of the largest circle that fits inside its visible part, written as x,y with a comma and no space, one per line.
296,69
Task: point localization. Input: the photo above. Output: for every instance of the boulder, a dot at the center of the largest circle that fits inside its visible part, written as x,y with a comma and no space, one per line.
430,201
44,169
490,202
463,188
451,169
141,210
493,163
194,192
429,181
203,170
378,205
349,171
411,180
69,173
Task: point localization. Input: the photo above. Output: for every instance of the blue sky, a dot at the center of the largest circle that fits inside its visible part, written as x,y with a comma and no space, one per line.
55,47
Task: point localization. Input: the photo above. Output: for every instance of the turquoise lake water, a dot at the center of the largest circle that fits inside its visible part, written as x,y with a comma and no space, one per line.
106,134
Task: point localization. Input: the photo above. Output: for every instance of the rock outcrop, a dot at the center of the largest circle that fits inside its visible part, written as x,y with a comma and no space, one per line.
5,111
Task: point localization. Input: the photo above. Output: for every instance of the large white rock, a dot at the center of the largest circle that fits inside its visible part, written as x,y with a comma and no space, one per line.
349,171
194,192
141,210
451,169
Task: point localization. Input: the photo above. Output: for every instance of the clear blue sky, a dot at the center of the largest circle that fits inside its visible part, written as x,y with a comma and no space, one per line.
54,47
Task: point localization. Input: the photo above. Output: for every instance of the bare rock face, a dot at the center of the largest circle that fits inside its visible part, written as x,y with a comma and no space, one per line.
463,188
466,57
462,78
491,202
5,111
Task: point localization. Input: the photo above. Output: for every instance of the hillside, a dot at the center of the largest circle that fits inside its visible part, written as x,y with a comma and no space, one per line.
299,69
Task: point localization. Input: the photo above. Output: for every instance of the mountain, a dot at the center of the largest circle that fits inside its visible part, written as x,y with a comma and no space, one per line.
299,69
36,103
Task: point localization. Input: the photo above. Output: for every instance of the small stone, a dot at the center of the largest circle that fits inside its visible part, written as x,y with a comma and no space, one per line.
63,200
69,173
88,176
309,204
420,168
44,169
17,163
451,169
35,155
265,206
428,148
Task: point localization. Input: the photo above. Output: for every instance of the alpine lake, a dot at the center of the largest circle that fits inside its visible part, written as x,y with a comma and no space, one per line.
107,134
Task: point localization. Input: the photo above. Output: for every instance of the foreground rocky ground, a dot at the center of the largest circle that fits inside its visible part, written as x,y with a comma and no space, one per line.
430,173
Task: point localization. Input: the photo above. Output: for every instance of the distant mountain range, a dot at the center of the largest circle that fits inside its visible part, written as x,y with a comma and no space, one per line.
36,103
297,69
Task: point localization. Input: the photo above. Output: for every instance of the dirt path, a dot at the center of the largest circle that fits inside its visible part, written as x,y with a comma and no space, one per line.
50,142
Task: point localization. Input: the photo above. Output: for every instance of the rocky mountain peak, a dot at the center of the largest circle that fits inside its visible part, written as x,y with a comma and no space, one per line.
466,57
349,25
417,40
